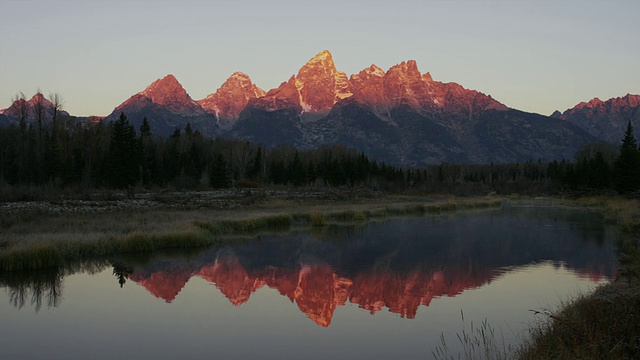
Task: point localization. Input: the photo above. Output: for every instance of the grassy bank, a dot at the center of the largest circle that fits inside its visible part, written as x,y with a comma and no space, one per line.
38,240
623,212
606,323
602,325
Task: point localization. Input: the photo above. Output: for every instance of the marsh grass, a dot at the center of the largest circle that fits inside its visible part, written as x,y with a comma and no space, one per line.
317,219
36,240
55,254
603,325
606,323
476,342
623,212
246,226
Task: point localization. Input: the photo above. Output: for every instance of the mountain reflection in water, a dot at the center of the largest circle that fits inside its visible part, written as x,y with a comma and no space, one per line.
398,264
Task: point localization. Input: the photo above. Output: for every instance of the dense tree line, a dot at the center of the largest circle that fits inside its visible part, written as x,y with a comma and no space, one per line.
67,153
116,155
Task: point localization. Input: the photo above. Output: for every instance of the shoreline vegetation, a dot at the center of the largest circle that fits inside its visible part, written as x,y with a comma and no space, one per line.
606,323
54,233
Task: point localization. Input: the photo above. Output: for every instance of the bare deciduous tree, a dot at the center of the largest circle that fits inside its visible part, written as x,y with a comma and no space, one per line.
57,103
21,106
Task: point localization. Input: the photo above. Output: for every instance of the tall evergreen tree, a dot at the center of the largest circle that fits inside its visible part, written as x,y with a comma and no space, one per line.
220,173
626,168
148,152
124,154
297,172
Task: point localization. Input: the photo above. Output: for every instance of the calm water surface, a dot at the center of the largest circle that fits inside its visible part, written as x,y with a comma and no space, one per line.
381,290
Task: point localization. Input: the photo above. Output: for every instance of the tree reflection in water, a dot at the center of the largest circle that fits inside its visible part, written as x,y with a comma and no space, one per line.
44,286
34,287
122,272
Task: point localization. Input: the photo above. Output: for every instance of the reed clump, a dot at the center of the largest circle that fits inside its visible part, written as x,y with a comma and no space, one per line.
317,219
246,226
623,212
348,216
60,253
36,257
34,241
603,325
476,343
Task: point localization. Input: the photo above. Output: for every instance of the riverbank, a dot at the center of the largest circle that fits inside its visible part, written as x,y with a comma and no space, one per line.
606,323
41,234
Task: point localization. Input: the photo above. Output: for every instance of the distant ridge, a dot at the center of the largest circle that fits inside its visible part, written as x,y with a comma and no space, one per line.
606,120
400,116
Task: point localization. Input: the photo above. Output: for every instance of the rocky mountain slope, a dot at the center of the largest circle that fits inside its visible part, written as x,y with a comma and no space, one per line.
27,108
401,116
167,106
606,120
231,98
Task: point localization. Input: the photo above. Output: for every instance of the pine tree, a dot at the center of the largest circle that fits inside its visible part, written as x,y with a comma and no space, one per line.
297,172
255,172
148,149
145,128
626,168
124,154
220,174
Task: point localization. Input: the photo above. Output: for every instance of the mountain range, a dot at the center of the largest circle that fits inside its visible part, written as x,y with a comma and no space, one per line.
400,116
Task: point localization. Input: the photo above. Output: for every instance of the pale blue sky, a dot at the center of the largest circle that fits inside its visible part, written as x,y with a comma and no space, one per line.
536,56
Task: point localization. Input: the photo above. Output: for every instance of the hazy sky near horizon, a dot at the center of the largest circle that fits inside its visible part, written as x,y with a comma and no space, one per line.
536,56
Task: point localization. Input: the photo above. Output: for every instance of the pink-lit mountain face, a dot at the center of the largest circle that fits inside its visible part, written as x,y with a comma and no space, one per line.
27,108
403,84
606,120
232,97
315,89
167,106
400,116
318,86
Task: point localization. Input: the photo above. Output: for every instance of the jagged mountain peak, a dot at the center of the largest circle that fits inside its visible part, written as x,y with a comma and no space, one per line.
239,75
627,100
14,112
608,119
373,70
39,97
405,70
285,96
320,84
322,57
167,106
321,64
166,91
232,97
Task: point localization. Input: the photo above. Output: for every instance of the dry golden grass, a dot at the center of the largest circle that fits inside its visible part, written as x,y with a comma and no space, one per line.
31,241
623,212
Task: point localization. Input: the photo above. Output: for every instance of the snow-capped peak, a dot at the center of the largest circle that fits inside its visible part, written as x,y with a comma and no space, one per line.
324,55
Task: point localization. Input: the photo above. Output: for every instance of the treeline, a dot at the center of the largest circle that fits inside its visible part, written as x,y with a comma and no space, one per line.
597,168
70,153
116,155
